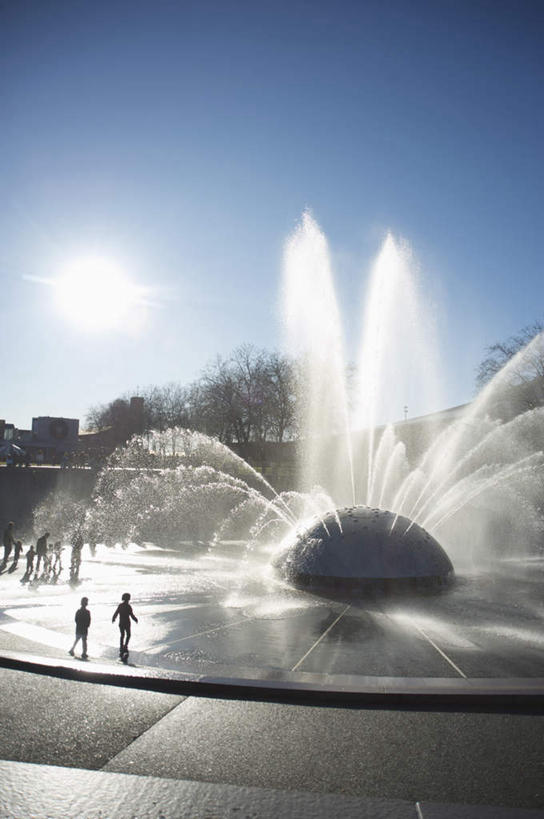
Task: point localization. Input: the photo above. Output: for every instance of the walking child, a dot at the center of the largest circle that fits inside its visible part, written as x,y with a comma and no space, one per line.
30,555
125,613
41,550
83,621
75,561
57,551
16,554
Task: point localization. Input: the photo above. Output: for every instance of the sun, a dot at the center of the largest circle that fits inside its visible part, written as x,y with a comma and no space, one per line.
96,295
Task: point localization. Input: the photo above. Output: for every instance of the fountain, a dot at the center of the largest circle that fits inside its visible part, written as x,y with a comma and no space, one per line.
479,472
359,548
232,577
377,501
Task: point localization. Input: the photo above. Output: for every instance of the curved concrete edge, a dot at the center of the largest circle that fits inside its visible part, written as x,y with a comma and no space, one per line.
515,695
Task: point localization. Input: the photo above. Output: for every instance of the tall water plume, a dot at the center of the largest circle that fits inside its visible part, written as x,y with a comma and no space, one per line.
314,334
396,363
396,366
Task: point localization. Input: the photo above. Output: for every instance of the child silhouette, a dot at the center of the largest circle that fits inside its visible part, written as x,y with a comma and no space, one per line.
83,621
125,613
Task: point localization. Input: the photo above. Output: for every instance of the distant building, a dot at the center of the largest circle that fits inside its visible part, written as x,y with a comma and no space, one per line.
103,439
6,430
22,437
57,432
52,436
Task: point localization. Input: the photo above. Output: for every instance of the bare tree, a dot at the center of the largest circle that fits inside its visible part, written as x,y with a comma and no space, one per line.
497,355
281,397
218,411
166,408
249,372
249,397
116,414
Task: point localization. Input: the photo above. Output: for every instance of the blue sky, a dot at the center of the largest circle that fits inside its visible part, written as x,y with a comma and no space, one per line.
183,140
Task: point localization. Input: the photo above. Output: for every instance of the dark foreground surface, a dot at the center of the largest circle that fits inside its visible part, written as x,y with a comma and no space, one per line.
221,757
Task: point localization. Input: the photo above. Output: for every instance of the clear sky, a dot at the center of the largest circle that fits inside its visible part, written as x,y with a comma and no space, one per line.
179,142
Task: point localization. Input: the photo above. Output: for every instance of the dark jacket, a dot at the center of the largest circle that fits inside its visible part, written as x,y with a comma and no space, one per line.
83,620
124,610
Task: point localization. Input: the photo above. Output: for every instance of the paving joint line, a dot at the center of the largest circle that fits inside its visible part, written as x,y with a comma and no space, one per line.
442,653
184,698
294,668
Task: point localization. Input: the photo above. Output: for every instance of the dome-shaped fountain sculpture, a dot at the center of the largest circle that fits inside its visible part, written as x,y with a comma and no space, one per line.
359,546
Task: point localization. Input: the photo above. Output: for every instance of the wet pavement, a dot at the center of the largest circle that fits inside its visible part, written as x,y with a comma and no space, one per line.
216,612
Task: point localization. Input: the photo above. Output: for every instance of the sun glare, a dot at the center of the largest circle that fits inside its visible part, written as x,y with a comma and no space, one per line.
96,295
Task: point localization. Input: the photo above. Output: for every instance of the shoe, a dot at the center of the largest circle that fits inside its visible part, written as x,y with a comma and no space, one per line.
71,652
84,656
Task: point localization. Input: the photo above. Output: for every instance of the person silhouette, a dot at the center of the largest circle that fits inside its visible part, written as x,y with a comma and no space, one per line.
18,548
57,551
47,563
83,621
75,559
30,555
125,613
41,550
9,541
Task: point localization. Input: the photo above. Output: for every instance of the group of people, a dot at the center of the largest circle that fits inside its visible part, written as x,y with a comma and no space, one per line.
46,557
83,621
18,458
80,459
75,459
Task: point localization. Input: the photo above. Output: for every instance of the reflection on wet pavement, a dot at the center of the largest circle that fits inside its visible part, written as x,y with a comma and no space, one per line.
216,612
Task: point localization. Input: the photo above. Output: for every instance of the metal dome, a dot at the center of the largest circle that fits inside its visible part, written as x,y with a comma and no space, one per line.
357,546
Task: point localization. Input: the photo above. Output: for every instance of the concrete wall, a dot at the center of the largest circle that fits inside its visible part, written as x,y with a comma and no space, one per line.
21,489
